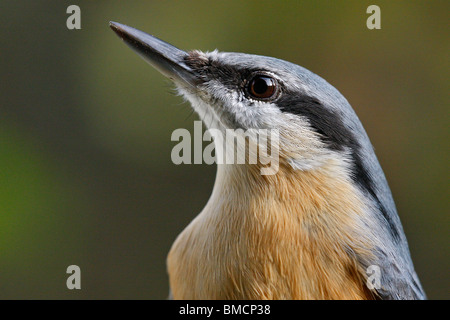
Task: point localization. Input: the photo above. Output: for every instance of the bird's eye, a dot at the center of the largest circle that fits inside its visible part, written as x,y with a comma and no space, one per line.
262,87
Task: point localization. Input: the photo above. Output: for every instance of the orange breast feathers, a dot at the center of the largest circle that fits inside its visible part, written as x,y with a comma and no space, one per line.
293,235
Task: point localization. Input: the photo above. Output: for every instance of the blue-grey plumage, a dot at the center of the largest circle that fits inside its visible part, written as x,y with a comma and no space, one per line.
312,230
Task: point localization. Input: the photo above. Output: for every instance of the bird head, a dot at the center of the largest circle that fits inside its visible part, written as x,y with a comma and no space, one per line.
314,122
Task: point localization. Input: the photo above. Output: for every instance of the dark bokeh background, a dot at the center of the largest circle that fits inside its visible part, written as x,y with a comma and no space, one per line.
86,176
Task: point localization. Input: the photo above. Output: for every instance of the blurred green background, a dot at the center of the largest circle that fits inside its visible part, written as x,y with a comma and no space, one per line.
85,125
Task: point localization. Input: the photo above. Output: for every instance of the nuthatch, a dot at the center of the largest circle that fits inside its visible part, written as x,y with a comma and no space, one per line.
310,231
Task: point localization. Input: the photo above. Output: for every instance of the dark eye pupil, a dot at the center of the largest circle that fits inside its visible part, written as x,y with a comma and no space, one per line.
262,87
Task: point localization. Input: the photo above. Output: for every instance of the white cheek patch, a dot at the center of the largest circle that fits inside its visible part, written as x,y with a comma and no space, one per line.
222,108
298,143
230,108
204,111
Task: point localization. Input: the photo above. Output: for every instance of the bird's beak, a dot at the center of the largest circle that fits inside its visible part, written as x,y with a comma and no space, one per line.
164,57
